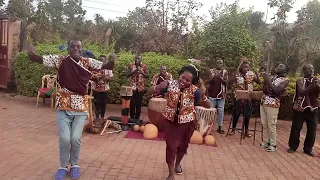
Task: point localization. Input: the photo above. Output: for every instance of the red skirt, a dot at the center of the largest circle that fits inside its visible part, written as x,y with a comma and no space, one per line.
177,139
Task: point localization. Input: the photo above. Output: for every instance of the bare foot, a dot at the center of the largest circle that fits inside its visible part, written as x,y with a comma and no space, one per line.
170,177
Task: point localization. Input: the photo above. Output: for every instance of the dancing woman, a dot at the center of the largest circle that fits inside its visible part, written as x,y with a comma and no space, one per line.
182,96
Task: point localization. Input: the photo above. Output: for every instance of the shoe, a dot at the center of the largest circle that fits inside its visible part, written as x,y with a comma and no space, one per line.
265,145
272,148
310,153
75,172
220,130
290,150
247,135
61,174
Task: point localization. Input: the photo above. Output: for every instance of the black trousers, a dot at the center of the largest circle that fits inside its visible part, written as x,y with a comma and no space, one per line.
135,104
239,106
100,103
311,119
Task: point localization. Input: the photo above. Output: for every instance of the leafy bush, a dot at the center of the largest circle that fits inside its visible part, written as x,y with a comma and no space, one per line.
28,74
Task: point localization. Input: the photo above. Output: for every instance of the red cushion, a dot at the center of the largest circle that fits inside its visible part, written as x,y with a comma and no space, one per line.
43,90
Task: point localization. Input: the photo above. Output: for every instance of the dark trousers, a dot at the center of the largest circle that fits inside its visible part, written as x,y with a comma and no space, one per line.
100,103
135,104
311,119
239,106
177,139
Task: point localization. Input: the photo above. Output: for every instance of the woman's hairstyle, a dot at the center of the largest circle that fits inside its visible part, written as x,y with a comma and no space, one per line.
242,64
193,70
104,56
112,56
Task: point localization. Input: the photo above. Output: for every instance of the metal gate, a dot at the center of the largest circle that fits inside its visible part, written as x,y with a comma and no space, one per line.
4,26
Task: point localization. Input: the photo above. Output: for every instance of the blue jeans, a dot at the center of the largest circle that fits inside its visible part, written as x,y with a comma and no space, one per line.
70,127
219,104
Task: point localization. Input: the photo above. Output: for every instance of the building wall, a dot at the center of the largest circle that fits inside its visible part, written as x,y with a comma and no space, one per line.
13,45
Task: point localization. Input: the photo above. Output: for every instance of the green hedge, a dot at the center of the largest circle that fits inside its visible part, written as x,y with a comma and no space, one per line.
28,74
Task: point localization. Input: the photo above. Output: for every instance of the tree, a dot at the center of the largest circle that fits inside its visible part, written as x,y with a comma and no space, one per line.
306,34
227,36
20,8
281,37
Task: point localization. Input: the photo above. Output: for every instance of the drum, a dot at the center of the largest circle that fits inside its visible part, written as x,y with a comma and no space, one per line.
206,118
256,95
156,108
126,91
243,95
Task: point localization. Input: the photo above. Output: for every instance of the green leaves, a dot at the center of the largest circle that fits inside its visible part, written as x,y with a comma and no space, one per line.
227,36
29,74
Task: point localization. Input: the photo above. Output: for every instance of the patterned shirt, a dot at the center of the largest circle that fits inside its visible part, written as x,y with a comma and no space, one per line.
67,100
216,88
180,103
157,79
245,83
137,80
273,101
309,100
100,85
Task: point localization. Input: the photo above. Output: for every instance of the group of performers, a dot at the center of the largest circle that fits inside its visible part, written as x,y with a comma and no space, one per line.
182,94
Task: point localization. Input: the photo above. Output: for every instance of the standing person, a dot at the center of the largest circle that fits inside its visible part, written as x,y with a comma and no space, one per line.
138,73
305,109
182,96
100,85
243,81
72,102
273,89
217,90
163,75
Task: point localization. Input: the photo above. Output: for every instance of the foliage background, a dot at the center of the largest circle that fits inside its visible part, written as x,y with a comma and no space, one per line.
28,74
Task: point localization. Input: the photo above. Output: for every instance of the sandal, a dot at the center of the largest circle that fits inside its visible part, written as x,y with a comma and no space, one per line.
177,171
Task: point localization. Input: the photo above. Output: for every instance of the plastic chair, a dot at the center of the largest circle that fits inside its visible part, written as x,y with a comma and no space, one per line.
49,82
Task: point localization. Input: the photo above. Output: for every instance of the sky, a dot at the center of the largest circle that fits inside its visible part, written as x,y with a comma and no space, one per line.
112,9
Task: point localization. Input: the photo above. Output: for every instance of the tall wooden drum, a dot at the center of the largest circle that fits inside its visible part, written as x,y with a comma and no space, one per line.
206,118
156,108
126,93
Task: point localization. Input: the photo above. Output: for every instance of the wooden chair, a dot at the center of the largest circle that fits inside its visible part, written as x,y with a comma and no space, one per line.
48,83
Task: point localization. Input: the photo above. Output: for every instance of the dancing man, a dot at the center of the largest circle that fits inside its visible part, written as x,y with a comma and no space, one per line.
305,109
72,102
100,85
217,90
273,89
138,73
243,81
182,96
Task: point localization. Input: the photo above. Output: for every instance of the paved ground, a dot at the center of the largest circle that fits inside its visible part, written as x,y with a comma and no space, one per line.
28,137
